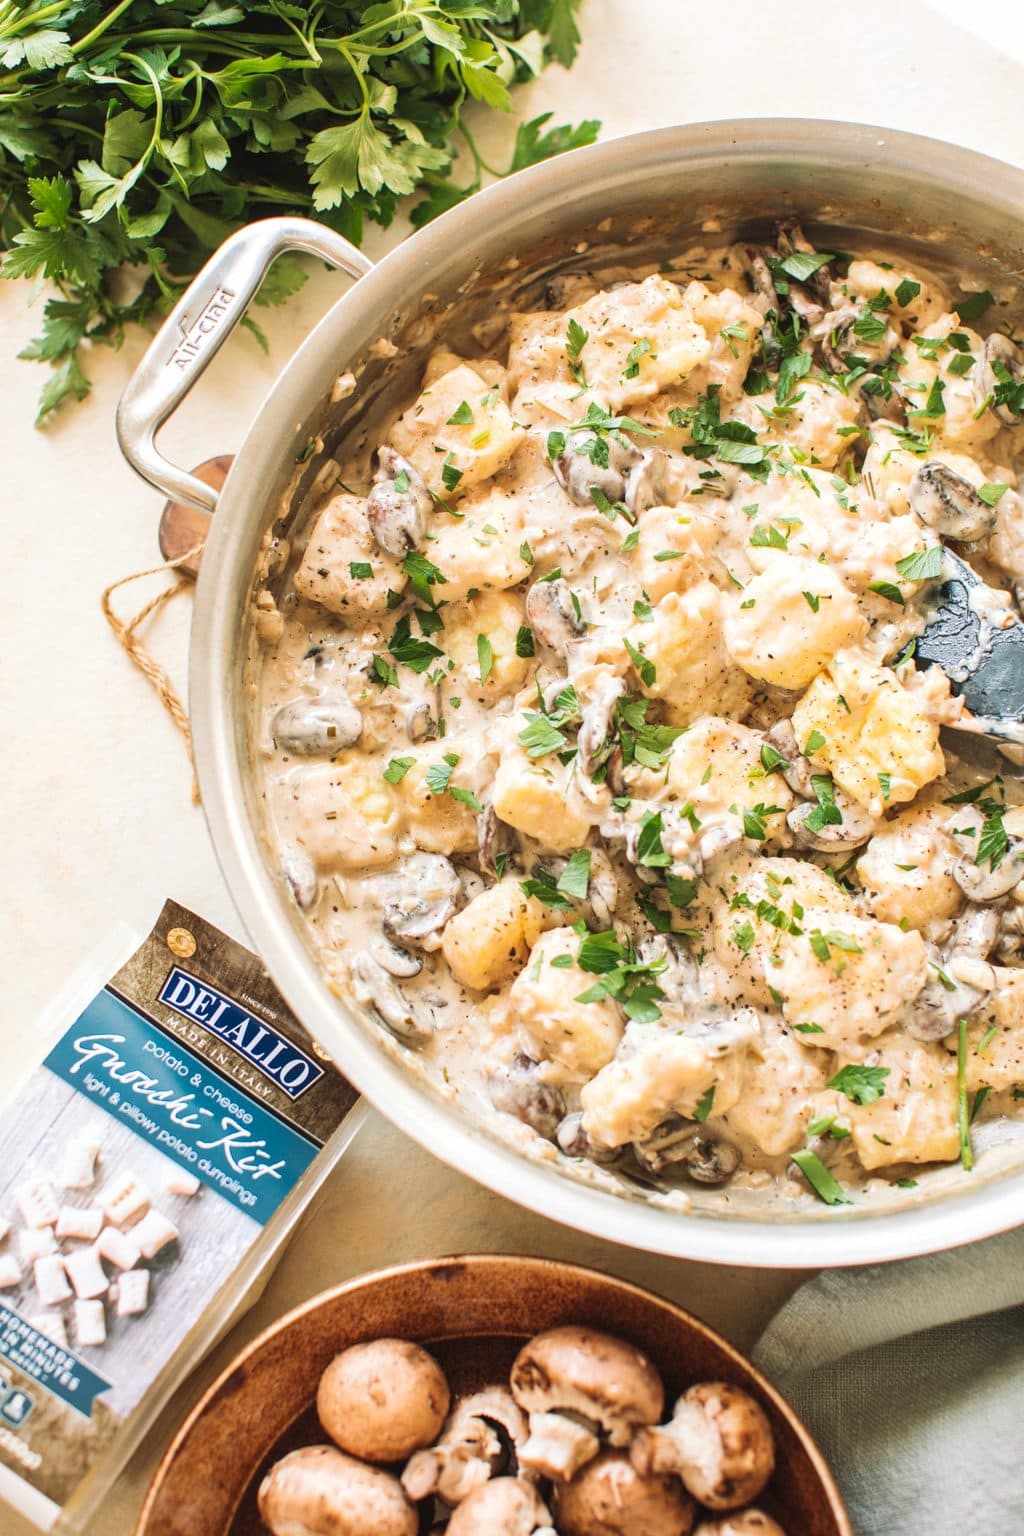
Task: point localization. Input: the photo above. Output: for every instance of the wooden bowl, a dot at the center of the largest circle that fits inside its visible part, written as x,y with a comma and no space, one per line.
473,1312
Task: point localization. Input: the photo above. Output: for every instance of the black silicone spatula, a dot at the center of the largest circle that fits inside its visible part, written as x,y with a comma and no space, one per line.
977,639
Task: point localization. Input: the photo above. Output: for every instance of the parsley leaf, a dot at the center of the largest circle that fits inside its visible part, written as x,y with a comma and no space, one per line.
864,1085
922,565
574,880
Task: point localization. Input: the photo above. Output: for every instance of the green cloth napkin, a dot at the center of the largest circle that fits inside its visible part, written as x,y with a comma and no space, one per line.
911,1379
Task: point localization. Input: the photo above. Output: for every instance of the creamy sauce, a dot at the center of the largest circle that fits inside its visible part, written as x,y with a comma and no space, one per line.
596,756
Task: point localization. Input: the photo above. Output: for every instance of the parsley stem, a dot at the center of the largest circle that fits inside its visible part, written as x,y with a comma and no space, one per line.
103,25
963,1116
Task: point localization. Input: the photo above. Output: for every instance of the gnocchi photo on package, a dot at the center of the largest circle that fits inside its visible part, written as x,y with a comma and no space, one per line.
595,749
165,1146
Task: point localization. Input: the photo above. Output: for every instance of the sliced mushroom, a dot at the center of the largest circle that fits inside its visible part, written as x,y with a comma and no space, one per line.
300,876
478,1442
1001,362
719,1441
763,284
577,1385
420,722
645,483
855,829
382,1400
395,960
494,838
374,988
795,768
573,1140
519,1090
398,504
596,739
683,1144
941,1002
420,898
610,1497
506,1506
746,1522
320,727
320,1491
552,614
949,503
603,890
1009,947
577,472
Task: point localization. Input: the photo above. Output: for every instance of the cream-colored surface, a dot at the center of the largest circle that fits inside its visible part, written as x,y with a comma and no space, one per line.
96,824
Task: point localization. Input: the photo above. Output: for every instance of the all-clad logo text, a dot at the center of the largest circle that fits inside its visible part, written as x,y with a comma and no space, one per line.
193,333
282,1061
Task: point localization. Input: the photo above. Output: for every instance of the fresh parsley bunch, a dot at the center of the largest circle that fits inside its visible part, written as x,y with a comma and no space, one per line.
136,134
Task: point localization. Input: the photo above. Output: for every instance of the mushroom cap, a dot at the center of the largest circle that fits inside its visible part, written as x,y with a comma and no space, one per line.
594,1374
319,1491
609,1497
506,1506
727,1444
382,1400
745,1522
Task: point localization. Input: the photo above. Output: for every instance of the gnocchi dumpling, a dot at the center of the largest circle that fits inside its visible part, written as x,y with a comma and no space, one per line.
859,722
788,622
577,1038
490,939
458,434
343,569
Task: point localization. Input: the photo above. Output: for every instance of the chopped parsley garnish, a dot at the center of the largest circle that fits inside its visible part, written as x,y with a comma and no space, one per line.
383,672
864,1085
646,668
809,1029
771,760
397,769
825,1185
485,657
813,603
731,441
462,416
631,982
360,570
408,650
993,844
769,538
993,492
704,1105
935,405
972,305
963,1117
906,292
543,885
888,590
826,813
800,265
541,737
815,742
423,574
634,356
450,476
823,943
524,641
755,820
922,565
576,338
869,326
575,878
439,774
649,851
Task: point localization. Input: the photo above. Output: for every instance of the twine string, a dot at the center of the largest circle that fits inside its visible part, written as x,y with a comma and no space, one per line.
126,633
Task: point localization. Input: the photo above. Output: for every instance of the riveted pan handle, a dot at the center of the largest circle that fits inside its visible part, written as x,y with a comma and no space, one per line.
197,328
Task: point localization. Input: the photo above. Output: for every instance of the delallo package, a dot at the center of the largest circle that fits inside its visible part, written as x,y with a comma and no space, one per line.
152,1168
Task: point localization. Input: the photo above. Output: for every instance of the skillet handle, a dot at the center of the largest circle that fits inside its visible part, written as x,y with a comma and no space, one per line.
197,328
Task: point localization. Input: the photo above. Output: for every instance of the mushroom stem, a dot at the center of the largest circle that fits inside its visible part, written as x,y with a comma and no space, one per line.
559,1445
